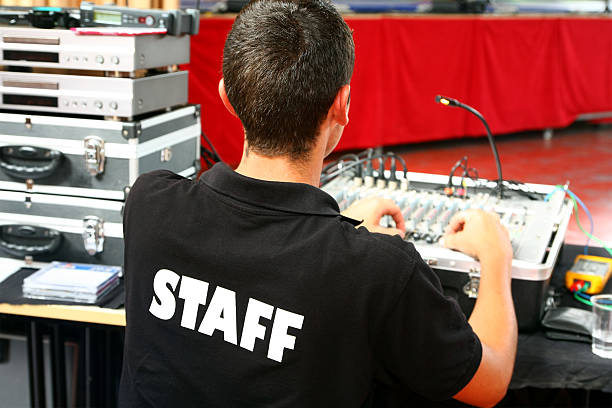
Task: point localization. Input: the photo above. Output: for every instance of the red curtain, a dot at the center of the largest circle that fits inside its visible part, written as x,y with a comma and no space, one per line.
521,73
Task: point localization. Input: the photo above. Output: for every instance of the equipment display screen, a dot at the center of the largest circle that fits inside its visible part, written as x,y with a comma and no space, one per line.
37,56
590,266
35,100
107,17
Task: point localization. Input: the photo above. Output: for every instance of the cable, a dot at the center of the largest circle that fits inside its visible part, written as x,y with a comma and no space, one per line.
205,155
460,163
339,161
580,299
575,199
368,155
327,177
603,244
367,152
215,156
401,160
580,296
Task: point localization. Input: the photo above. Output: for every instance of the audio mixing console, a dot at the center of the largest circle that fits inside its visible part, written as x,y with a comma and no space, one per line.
537,227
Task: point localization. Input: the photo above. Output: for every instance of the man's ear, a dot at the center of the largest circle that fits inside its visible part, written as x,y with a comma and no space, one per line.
340,108
225,99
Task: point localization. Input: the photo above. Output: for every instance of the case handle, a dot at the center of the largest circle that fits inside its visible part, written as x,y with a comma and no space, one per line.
28,240
28,162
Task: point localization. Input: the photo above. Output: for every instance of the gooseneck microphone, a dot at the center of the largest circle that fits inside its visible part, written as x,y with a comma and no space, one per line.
454,102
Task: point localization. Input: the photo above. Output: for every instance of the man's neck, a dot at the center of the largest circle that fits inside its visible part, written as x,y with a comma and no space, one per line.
281,168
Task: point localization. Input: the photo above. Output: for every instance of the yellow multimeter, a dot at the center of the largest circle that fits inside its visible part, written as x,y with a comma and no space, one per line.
595,270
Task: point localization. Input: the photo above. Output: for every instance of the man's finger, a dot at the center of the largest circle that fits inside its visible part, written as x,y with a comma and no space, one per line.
396,213
456,223
450,241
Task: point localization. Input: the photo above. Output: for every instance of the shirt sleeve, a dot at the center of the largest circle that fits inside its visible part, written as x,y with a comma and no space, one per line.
426,345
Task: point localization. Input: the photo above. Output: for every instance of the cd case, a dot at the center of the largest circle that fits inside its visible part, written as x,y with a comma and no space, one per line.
83,283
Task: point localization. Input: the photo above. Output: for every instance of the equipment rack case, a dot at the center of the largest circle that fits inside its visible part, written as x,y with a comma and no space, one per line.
94,157
47,227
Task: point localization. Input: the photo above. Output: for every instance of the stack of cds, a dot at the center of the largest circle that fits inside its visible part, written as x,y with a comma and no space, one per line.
82,283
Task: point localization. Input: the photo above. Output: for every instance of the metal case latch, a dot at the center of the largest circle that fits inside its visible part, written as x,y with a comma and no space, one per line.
471,288
94,155
93,234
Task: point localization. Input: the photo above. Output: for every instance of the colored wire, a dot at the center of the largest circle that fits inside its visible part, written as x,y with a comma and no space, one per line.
575,199
580,296
586,299
580,299
594,238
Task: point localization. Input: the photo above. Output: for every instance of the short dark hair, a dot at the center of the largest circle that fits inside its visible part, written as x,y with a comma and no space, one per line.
284,61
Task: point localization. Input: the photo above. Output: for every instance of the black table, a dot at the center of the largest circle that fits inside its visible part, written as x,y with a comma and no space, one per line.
563,365
541,364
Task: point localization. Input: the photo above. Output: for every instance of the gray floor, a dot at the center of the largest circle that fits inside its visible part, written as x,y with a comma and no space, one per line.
14,377
14,385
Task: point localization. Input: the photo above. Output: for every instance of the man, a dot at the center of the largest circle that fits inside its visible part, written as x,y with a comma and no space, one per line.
249,288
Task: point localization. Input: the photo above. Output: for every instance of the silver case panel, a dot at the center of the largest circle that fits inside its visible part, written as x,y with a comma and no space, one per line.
65,214
178,131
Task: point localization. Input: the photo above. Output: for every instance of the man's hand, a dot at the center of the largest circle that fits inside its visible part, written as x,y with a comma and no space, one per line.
479,234
372,209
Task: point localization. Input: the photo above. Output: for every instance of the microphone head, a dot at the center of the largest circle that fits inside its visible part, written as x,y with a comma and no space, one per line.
444,100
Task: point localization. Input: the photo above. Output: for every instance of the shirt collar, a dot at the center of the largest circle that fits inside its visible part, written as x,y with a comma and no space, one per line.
298,198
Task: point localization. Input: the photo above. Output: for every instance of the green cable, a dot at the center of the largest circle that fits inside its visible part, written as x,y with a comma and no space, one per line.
594,238
578,298
583,290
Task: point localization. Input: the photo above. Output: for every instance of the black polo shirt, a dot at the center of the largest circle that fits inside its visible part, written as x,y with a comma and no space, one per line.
243,293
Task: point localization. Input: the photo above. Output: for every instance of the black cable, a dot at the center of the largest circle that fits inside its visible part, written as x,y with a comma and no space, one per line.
327,177
381,167
460,163
367,152
354,156
205,155
341,159
401,160
215,156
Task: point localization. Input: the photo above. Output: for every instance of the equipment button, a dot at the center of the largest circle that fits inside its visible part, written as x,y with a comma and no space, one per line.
98,104
100,59
150,20
113,105
115,60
